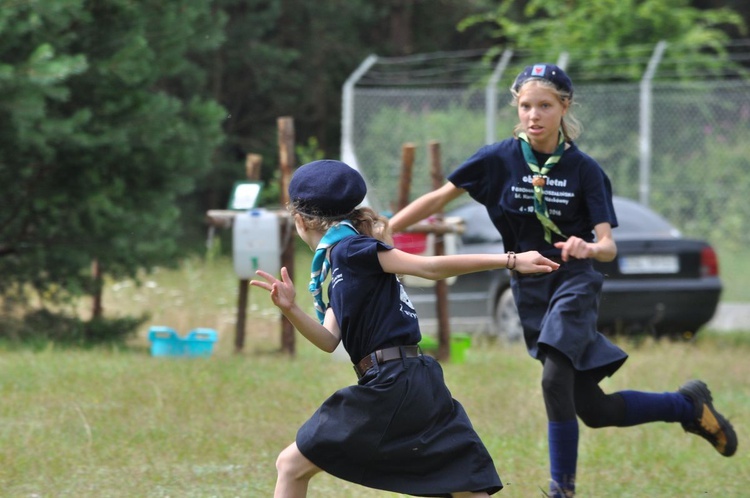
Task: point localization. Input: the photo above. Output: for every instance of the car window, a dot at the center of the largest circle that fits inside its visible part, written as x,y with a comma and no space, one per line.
636,220
478,226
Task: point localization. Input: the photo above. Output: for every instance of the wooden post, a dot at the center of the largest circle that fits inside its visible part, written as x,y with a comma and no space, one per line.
287,165
242,300
253,163
441,286
97,310
404,184
252,172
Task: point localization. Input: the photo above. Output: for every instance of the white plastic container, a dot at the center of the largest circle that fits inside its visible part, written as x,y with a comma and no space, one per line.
255,243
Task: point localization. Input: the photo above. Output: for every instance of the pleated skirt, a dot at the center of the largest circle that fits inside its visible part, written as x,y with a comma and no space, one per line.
399,429
560,310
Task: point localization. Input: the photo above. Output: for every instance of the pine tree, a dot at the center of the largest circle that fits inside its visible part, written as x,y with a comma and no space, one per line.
101,129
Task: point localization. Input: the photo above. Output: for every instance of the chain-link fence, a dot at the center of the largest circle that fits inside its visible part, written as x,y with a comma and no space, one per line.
681,147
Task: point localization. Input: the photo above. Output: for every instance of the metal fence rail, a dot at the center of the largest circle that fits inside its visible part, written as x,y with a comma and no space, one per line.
681,147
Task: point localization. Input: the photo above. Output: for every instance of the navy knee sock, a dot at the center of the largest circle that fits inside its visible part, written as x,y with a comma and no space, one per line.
642,407
563,452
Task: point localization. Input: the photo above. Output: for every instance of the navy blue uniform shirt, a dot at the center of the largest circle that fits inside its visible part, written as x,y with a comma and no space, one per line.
371,306
578,195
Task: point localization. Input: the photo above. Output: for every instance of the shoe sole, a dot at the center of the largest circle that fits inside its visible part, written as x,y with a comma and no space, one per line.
711,422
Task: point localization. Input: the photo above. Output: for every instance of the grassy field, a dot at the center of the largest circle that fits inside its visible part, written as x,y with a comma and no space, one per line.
119,423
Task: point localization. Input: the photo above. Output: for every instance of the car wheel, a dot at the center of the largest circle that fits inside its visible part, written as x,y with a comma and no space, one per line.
507,324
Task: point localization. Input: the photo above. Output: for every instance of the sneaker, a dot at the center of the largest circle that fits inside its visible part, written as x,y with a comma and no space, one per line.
708,423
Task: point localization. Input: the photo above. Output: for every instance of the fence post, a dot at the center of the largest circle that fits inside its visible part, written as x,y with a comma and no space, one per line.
645,123
347,111
490,92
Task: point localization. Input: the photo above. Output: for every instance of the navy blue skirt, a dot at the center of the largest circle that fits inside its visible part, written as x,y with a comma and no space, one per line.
399,429
560,310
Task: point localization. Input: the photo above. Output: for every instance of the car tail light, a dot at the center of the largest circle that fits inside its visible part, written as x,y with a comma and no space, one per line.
709,262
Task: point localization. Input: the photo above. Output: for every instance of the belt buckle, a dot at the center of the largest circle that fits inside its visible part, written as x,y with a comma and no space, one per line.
374,360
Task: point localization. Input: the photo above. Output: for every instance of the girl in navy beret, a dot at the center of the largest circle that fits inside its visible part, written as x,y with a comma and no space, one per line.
398,428
545,194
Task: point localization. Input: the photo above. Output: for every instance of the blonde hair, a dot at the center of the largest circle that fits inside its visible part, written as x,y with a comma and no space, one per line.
366,220
570,125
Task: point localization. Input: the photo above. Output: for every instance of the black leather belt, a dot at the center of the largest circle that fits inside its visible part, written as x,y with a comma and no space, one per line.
383,355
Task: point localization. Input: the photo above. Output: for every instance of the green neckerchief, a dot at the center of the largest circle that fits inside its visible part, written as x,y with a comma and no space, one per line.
321,262
539,180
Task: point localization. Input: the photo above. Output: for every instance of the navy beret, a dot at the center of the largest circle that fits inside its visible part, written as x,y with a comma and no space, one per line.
548,72
326,188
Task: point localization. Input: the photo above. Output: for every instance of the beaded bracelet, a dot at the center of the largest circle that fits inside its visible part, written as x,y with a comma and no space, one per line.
511,254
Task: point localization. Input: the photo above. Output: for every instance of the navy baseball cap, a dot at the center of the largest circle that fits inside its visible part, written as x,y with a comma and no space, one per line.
326,188
548,72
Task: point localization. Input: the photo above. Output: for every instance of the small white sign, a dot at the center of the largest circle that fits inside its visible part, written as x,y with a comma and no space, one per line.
245,196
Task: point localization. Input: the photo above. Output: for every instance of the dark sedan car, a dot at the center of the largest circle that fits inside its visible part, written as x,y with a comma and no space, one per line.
660,283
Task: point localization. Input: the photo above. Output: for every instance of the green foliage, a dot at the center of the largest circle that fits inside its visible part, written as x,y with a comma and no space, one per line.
733,266
214,249
613,140
102,128
113,143
610,38
309,152
271,194
40,328
689,186
714,165
291,58
700,152
392,127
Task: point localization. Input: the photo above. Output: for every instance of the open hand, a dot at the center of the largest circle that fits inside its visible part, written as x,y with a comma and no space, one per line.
282,291
575,247
533,262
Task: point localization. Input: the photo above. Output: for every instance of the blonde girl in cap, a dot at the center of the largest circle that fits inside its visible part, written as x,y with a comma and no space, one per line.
545,194
398,428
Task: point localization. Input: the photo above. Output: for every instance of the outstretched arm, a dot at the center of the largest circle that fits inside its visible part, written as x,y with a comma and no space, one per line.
424,206
326,336
441,267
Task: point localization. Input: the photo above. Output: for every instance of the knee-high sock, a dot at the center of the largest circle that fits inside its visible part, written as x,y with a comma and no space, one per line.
563,452
642,407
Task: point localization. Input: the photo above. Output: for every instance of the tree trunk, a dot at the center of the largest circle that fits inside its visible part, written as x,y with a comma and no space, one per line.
402,33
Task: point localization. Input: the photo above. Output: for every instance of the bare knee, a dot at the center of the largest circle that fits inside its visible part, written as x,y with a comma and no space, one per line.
469,494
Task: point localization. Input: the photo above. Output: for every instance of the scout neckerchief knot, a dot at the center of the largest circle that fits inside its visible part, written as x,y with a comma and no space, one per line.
539,180
321,262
